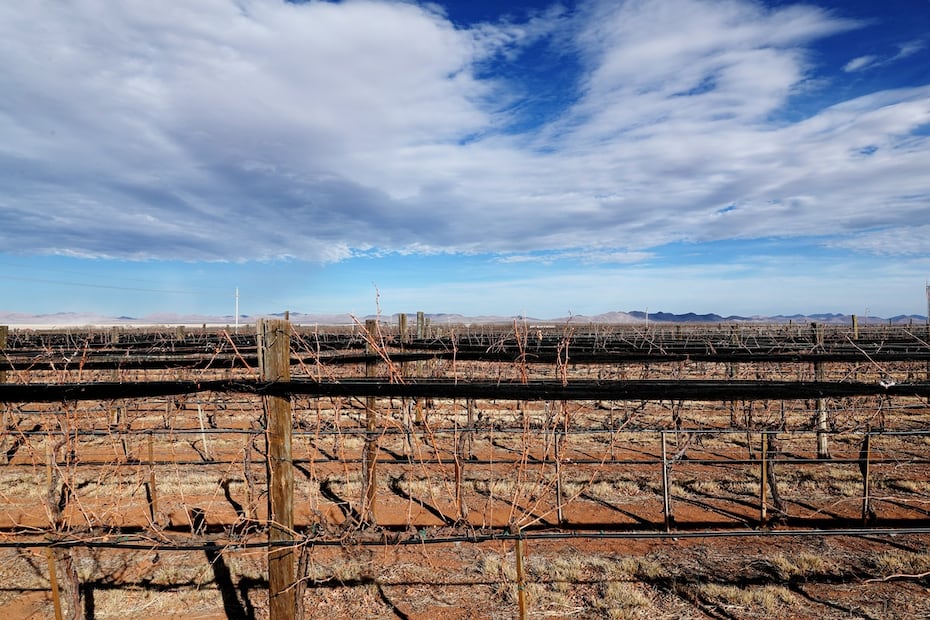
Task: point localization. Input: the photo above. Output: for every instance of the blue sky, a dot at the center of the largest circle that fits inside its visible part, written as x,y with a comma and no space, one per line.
729,156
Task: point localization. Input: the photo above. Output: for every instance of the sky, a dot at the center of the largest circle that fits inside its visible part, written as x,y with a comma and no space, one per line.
479,157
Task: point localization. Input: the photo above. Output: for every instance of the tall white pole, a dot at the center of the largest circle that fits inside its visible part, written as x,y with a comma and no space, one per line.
237,309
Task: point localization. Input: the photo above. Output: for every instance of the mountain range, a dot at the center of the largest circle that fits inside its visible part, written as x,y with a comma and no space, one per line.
70,319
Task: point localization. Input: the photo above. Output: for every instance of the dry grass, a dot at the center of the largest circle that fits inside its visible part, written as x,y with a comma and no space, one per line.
762,601
900,562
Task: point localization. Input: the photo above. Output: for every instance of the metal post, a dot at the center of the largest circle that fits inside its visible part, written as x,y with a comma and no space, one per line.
153,494
667,506
823,451
4,335
558,475
762,478
865,456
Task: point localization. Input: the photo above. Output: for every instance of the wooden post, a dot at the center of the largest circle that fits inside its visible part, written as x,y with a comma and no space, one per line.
62,573
53,582
403,336
421,325
667,511
370,450
521,578
274,365
855,326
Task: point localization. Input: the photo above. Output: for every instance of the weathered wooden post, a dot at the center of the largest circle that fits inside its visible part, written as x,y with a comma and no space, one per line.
63,576
855,327
421,325
370,450
402,334
274,354
53,582
521,577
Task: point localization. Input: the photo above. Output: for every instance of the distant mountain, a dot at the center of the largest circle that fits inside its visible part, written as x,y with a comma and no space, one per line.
75,319
690,317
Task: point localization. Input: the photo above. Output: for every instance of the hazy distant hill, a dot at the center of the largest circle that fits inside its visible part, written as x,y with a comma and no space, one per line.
68,319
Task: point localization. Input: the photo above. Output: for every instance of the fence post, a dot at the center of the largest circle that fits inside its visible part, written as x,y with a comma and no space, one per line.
53,582
274,365
370,450
421,325
521,578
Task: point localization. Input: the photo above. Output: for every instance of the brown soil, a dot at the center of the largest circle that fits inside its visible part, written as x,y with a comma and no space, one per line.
209,483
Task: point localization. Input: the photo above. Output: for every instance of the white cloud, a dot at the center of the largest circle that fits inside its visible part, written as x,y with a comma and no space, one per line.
871,61
859,63
225,130
590,256
909,49
902,241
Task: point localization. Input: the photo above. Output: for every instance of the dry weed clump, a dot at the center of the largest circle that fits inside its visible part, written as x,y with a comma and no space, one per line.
803,564
576,583
761,601
900,562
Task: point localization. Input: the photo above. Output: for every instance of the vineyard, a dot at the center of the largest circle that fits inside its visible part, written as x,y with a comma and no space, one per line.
381,471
